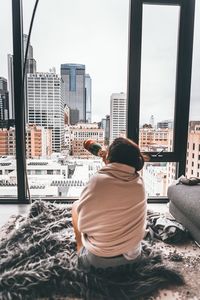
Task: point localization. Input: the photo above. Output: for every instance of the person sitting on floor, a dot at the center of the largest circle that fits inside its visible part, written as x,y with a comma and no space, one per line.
109,218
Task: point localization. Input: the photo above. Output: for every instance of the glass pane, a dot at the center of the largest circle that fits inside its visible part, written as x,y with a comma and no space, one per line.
157,177
158,76
77,65
193,147
8,180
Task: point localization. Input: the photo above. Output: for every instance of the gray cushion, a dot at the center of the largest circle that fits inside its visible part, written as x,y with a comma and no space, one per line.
185,207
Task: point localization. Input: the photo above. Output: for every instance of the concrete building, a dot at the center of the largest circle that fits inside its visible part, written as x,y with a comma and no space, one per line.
3,142
118,115
151,139
67,140
41,174
38,142
193,153
77,92
192,125
49,177
4,103
82,132
45,105
165,124
155,178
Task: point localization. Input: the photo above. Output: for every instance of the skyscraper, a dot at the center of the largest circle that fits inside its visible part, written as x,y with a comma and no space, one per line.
118,111
45,105
77,91
31,62
30,68
4,109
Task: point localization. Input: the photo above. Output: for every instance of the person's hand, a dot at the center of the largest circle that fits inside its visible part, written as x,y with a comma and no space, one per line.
103,154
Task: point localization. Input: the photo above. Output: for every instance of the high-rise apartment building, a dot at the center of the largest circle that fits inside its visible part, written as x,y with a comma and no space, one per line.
118,112
45,105
77,92
4,105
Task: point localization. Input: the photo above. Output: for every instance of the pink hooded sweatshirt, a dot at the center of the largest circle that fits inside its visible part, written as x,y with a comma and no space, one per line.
112,211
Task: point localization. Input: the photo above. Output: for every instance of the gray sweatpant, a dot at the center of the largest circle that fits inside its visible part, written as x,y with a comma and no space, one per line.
86,260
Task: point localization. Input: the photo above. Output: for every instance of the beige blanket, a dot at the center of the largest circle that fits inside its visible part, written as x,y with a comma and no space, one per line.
112,211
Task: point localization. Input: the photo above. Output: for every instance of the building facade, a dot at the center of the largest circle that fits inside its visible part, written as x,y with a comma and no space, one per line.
77,92
118,115
38,142
155,178
165,124
193,153
45,105
82,132
151,139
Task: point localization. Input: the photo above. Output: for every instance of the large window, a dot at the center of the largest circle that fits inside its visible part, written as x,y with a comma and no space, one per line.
160,59
77,59
99,70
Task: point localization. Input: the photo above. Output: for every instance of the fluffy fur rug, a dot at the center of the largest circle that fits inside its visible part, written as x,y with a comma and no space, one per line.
38,259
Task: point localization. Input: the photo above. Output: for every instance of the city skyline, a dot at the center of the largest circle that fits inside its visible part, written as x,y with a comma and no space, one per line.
103,48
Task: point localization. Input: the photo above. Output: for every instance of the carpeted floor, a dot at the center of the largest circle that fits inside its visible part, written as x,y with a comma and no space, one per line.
185,258
38,261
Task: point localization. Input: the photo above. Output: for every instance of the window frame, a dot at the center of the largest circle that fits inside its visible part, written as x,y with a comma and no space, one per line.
183,79
182,96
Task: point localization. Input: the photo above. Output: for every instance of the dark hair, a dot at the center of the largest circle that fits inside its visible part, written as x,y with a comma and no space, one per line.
125,151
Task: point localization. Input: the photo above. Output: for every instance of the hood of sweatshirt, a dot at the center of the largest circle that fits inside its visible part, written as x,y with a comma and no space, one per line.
119,171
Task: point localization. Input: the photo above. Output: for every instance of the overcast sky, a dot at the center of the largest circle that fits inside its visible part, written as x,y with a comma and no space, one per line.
95,33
